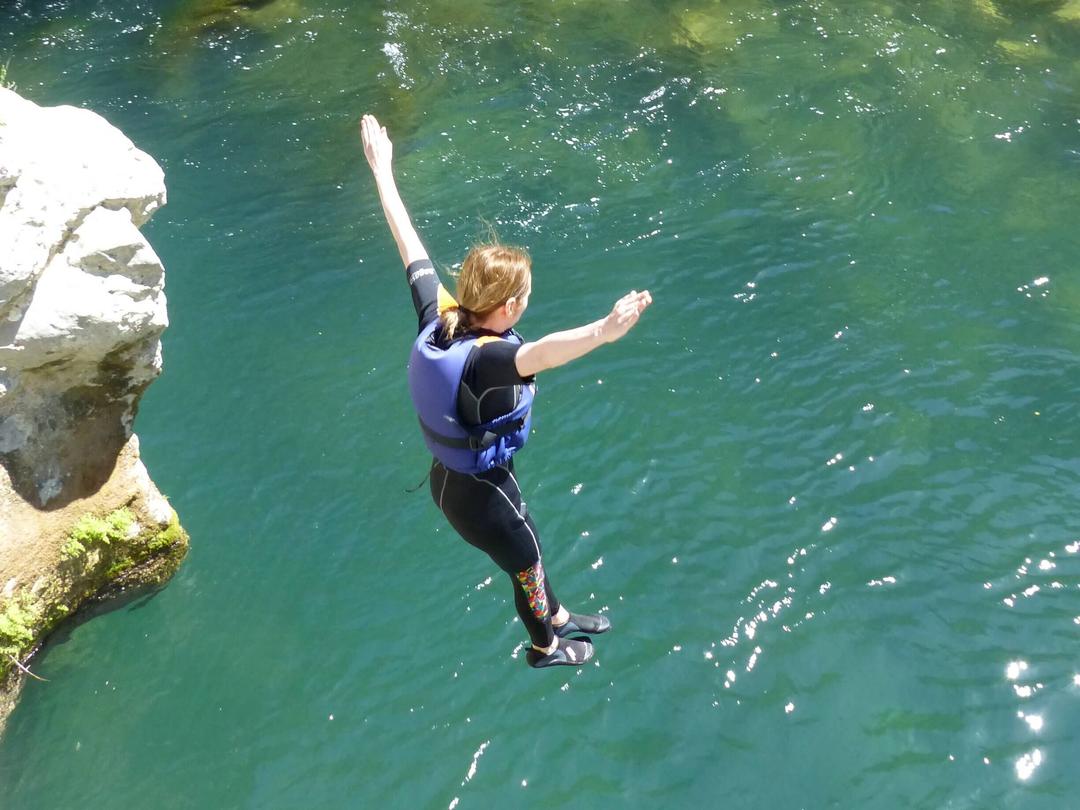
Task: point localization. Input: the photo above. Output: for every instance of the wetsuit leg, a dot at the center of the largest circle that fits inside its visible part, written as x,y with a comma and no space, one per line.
487,511
553,601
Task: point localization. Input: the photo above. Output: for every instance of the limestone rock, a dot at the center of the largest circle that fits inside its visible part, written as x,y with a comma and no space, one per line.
82,305
82,309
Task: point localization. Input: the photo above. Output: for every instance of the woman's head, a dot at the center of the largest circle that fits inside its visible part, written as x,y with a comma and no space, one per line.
493,286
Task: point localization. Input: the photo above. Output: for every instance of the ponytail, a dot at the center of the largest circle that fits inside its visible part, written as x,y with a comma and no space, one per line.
455,321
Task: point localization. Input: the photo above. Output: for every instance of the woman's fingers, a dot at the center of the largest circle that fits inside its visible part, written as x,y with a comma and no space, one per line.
367,126
636,300
378,148
628,309
371,130
626,312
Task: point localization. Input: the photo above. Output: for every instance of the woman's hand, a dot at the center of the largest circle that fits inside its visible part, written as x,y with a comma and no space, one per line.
378,149
624,315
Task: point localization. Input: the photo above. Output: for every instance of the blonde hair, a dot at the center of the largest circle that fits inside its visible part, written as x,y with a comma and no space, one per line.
490,275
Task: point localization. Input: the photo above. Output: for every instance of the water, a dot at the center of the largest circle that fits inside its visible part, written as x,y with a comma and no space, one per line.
826,490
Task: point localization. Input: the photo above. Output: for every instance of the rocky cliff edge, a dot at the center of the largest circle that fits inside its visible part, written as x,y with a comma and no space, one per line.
82,309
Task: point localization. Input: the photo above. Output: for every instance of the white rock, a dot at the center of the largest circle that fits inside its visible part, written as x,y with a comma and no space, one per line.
82,303
89,300
57,164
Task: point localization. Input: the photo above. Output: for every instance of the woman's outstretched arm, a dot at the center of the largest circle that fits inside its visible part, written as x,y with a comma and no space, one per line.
379,152
559,348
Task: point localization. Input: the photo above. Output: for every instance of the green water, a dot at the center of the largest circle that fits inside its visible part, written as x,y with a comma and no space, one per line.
827,489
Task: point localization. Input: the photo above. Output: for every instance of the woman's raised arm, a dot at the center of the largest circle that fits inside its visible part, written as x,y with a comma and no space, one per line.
379,152
559,348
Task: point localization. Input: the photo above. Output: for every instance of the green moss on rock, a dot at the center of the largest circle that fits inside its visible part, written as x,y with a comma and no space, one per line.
17,620
170,536
119,567
101,555
92,530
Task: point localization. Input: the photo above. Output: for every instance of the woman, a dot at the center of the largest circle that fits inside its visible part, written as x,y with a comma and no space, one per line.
471,380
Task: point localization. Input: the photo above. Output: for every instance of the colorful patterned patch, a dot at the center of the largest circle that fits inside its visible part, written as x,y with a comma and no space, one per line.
532,582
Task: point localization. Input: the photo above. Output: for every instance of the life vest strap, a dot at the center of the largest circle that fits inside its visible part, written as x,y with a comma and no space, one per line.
474,443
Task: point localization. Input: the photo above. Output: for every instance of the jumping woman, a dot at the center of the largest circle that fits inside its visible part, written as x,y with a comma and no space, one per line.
471,381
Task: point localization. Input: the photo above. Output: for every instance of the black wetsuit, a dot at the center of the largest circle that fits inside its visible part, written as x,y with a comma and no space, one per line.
486,509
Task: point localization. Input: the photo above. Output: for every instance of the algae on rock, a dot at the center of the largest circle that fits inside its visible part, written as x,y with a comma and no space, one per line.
100,556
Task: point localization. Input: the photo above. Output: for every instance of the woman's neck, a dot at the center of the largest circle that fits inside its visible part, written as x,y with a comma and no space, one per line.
494,322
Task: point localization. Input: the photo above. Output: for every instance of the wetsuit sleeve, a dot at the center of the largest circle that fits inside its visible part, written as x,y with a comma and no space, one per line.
428,294
491,365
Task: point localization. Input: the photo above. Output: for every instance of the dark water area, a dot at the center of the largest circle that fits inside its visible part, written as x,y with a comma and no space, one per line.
826,490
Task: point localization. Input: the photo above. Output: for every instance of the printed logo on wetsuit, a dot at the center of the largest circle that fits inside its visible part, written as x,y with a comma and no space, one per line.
423,271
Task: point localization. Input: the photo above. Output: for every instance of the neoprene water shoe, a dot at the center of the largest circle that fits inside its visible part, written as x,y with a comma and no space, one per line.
582,624
571,652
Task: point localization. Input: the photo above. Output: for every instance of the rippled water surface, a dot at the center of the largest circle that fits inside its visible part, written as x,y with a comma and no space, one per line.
827,490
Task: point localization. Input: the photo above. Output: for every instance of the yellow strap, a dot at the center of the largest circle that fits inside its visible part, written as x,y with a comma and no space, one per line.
480,341
445,299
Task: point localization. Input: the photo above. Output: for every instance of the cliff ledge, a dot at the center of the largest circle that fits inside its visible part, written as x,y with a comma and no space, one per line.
82,309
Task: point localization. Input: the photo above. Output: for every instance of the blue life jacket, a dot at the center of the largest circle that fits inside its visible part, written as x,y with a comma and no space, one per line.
434,380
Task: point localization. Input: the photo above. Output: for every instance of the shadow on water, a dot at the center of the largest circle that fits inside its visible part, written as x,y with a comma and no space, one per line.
131,599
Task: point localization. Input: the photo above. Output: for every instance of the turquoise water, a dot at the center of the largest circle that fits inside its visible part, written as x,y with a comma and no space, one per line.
826,490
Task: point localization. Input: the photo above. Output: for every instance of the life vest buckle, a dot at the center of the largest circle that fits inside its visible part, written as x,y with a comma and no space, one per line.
478,443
